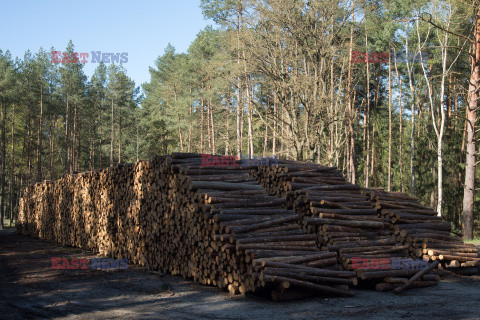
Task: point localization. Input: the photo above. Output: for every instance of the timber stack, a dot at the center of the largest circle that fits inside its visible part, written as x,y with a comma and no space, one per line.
341,214
239,237
425,234
346,221
214,224
247,228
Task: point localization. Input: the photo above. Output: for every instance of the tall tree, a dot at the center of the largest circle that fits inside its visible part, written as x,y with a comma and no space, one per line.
7,85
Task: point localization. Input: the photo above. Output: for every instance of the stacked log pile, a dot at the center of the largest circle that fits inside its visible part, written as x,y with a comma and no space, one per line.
244,240
425,234
214,224
346,221
257,228
99,211
341,214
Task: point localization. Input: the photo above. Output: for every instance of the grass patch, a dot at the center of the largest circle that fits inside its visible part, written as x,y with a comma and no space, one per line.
475,241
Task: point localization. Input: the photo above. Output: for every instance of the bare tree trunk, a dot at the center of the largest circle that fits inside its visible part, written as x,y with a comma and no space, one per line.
400,139
2,204
265,139
350,107
373,158
12,165
239,119
249,106
202,116
101,133
73,166
190,125
51,148
77,137
39,138
29,149
67,143
239,95
136,123
469,189
212,126
250,125
412,133
332,116
389,184
275,124
180,136
372,166
209,132
227,133
400,143
119,137
367,115
92,147
111,138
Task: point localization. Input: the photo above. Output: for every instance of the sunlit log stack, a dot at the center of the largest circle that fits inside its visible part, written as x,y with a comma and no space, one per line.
214,224
425,234
100,211
346,221
341,214
237,236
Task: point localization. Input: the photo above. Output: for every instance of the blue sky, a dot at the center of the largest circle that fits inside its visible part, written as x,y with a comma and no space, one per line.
143,28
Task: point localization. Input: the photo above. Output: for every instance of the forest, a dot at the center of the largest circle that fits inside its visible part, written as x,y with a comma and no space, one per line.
384,90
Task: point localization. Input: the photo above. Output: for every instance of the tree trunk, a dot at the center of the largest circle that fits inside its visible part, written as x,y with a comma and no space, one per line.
332,116
100,136
250,117
111,138
212,125
412,116
39,138
2,204
202,116
239,95
74,162
29,149
190,125
469,189
367,115
209,132
136,123
67,144
275,124
12,165
51,148
441,131
389,183
119,137
350,107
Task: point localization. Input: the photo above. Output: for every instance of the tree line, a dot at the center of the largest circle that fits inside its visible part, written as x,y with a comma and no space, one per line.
296,79
54,120
321,81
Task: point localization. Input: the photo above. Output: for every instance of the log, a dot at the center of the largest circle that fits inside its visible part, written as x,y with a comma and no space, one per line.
348,223
417,276
226,186
315,287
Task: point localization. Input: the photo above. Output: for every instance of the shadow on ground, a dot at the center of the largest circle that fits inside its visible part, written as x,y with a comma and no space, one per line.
30,289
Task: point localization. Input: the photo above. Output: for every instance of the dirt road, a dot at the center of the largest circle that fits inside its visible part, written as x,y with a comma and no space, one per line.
31,289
